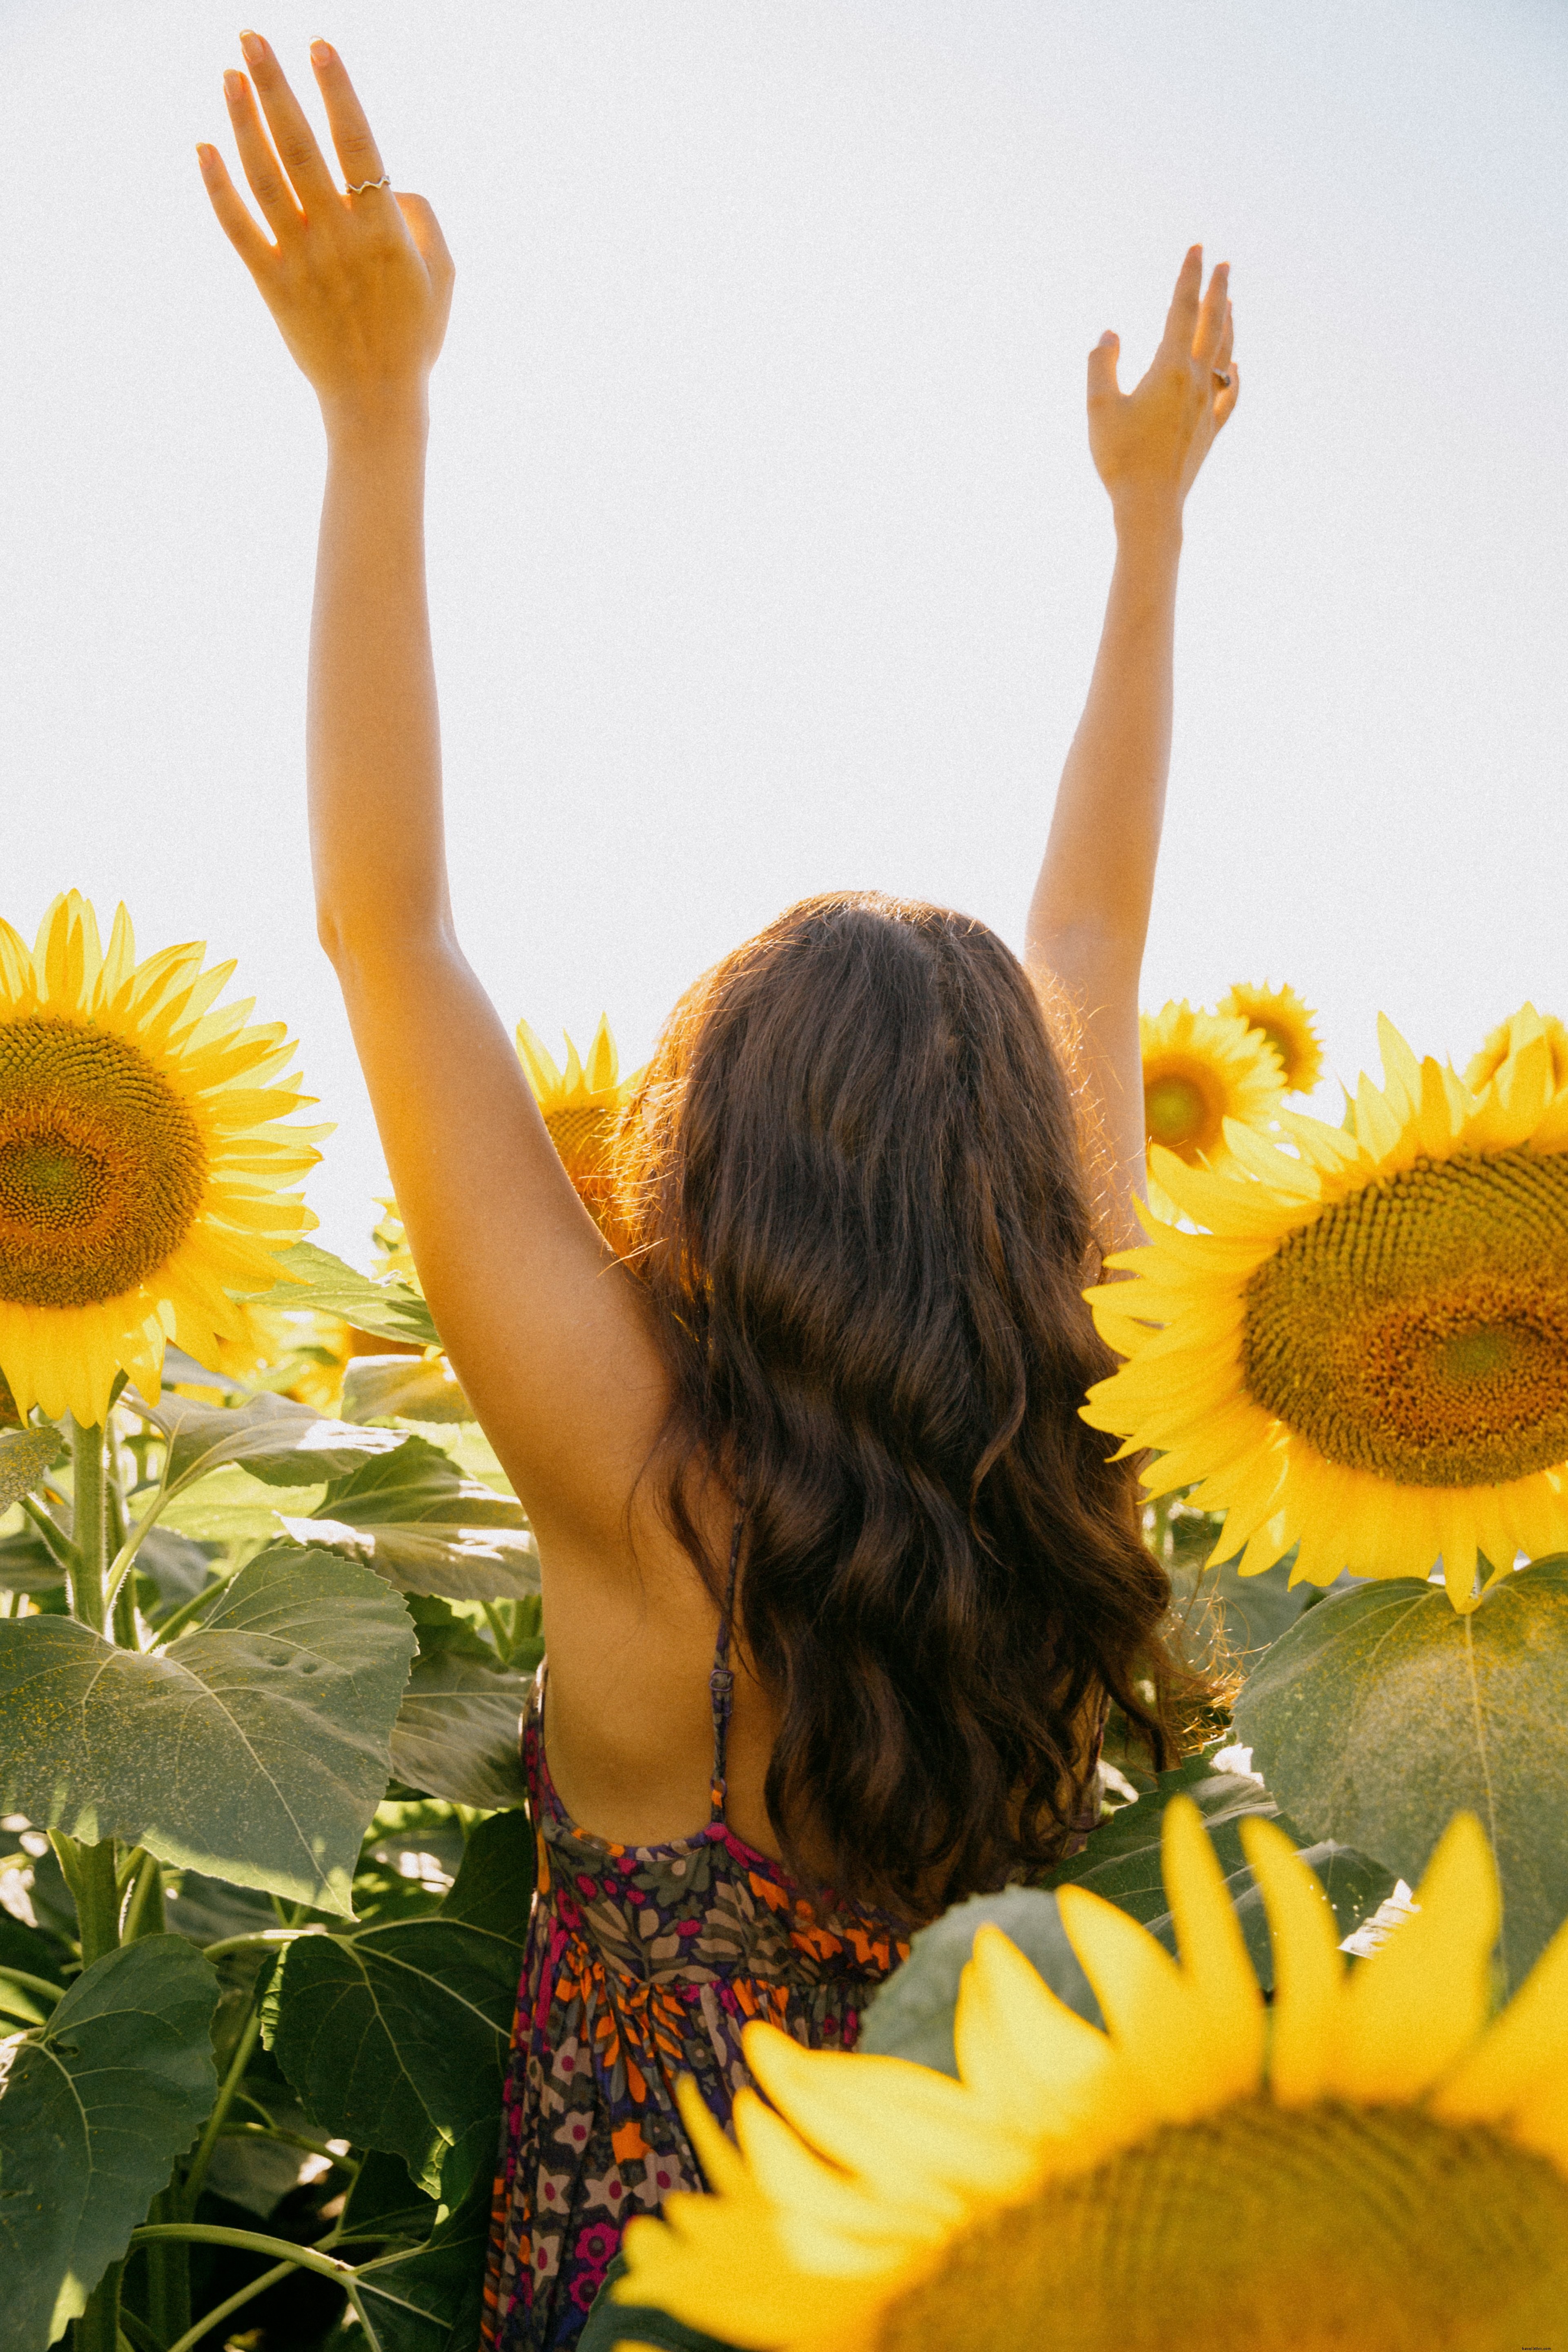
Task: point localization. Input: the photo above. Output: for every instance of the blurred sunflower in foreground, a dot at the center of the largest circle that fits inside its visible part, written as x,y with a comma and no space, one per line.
1287,1024
582,1106
1509,1037
1201,1069
1367,1351
144,1173
1368,2162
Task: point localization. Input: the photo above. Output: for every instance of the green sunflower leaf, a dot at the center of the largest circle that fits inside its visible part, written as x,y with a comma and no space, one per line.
395,2037
25,1455
281,1443
388,1310
457,1731
1121,1859
1382,1713
407,1388
255,1747
415,1518
431,2300
94,2109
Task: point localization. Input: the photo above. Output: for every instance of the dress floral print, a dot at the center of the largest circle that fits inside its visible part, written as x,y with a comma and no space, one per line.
642,1964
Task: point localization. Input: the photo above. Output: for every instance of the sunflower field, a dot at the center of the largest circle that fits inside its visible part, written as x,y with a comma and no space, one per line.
1279,2058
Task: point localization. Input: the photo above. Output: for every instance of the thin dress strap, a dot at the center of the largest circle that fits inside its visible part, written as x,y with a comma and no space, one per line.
721,1687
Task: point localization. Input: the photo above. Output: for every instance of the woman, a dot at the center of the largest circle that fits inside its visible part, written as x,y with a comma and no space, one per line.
837,1584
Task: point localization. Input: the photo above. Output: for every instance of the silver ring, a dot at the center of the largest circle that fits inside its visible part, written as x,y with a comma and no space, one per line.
1223,381
385,182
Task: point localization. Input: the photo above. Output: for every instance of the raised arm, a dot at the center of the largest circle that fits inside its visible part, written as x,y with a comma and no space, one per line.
546,1333
1090,914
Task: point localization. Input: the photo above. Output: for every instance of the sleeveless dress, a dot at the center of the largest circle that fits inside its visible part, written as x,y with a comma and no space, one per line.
642,1964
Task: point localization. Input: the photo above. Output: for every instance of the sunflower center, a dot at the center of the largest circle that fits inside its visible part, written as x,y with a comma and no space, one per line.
1419,1329
101,1165
1284,1045
1262,2229
1179,1114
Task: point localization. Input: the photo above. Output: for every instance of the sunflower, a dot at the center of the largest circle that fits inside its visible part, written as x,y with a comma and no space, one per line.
1287,1024
1510,1036
144,1172
1370,2162
582,1106
1367,1351
1199,1070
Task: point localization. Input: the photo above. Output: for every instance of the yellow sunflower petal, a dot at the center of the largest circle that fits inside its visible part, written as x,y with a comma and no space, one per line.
1412,2010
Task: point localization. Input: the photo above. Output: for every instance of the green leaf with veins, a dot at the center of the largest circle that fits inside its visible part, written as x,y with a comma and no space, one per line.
1120,1860
229,1506
25,1455
1382,1713
415,1518
459,1729
431,2300
255,1747
389,1309
94,2109
284,1443
395,2037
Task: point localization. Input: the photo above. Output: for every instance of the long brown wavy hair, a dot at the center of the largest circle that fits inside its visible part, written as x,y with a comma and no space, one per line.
853,1182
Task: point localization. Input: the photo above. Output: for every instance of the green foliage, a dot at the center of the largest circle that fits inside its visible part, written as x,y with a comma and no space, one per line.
406,1388
94,2108
1381,1714
419,1522
389,1309
457,1731
255,1746
1121,1859
281,1443
396,2037
25,1455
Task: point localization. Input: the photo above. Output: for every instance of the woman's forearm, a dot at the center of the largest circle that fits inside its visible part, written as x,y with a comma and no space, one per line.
373,741
1091,907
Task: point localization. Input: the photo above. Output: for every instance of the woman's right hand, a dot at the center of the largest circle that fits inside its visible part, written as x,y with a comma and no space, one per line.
1148,443
360,286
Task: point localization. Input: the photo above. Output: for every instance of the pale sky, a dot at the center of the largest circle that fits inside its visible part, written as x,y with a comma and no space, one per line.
766,552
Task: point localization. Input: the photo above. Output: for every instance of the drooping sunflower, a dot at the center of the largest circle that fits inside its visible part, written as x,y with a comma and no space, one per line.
1369,2163
1367,1351
582,1106
144,1173
1201,1069
1286,1023
1509,1037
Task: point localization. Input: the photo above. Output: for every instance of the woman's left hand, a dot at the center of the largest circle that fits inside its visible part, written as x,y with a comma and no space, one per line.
360,284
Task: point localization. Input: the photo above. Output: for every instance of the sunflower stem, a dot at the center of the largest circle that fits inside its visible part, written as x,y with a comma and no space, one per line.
59,1546
98,2329
89,1525
168,2273
243,2050
88,1872
145,1911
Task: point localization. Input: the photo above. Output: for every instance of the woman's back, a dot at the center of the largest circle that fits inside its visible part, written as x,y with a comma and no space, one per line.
644,1964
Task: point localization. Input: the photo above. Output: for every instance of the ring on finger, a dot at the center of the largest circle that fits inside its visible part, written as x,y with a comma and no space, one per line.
1222,380
385,182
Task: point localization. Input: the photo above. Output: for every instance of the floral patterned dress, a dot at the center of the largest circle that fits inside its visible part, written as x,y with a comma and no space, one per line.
642,1964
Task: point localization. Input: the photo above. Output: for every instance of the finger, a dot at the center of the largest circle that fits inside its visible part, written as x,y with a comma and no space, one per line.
1103,384
352,139
1226,343
262,170
233,214
426,230
291,133
1182,319
1211,317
